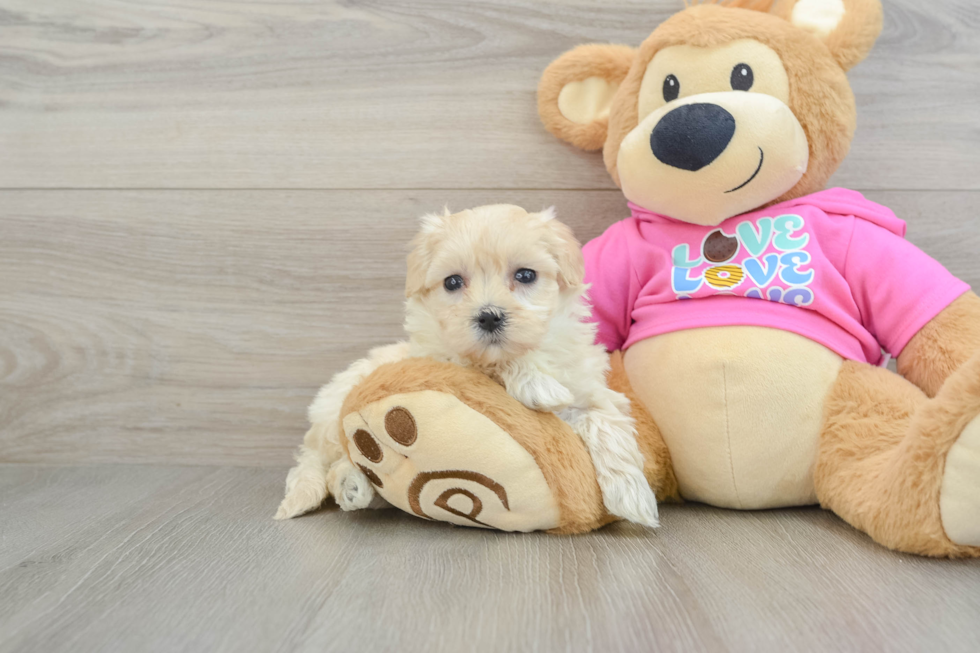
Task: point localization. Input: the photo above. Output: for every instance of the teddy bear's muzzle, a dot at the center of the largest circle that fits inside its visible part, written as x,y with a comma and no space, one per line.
707,157
692,136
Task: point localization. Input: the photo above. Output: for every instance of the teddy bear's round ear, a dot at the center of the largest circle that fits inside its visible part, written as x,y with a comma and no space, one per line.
577,89
849,28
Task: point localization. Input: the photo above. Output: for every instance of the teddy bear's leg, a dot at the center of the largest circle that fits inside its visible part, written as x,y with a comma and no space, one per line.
901,466
448,443
657,466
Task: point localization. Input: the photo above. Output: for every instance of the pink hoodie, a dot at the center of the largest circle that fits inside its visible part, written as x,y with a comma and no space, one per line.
832,266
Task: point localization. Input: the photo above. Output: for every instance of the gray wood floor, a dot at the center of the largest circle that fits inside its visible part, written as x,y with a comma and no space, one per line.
203,212
139,558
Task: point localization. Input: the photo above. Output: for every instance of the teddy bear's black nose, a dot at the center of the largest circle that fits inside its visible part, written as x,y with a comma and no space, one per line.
692,136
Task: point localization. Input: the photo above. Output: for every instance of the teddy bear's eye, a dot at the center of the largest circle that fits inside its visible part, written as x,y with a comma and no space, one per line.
742,77
672,88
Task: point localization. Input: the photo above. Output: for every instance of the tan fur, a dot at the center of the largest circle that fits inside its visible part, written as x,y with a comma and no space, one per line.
657,466
611,62
942,345
885,440
880,465
857,32
559,453
820,97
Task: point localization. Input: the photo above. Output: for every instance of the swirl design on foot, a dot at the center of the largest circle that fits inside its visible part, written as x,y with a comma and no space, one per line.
442,501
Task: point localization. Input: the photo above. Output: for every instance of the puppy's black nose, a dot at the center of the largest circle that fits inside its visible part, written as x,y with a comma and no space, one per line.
490,321
692,136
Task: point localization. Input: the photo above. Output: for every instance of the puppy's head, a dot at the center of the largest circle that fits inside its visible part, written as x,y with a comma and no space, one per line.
484,283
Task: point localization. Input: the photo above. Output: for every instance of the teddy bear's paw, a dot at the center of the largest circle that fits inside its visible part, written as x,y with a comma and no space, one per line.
959,499
628,495
433,456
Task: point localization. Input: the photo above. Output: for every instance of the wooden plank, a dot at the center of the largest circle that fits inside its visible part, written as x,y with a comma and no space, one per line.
436,94
138,558
195,326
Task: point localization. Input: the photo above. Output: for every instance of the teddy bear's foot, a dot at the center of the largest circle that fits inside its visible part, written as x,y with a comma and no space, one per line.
901,466
432,456
959,499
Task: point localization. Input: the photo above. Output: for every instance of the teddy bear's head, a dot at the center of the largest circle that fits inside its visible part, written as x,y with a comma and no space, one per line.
725,108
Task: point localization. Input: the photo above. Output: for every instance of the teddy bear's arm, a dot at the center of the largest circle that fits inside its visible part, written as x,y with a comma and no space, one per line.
942,345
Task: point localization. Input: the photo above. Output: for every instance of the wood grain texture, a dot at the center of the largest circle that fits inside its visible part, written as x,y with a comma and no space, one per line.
399,94
195,327
121,558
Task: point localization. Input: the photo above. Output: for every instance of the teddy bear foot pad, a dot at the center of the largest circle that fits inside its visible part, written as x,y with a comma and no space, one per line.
431,455
960,496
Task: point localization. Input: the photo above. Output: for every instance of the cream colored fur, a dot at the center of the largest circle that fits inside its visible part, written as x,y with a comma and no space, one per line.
583,102
959,498
741,425
482,447
321,465
818,16
544,355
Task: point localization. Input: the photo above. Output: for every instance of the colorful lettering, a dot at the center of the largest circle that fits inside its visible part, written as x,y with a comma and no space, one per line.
681,255
755,241
790,272
782,276
786,226
798,297
681,283
760,275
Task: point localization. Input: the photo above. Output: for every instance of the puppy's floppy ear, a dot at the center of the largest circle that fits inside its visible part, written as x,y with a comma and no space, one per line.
420,255
576,91
848,28
565,249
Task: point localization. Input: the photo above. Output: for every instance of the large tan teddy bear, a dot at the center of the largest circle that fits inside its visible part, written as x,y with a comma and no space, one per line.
751,306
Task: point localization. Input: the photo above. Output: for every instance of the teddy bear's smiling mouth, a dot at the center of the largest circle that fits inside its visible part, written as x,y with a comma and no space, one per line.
762,157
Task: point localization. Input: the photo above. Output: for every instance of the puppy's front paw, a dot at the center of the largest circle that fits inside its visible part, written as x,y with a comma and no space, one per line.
353,490
542,392
628,495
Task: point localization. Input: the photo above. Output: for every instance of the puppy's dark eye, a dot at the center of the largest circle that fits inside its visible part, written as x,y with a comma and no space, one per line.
672,88
525,276
453,283
742,77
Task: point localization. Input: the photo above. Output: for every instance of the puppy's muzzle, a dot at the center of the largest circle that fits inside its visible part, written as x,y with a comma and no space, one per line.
490,319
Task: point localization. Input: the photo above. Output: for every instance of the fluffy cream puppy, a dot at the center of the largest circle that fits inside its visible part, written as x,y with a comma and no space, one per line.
501,290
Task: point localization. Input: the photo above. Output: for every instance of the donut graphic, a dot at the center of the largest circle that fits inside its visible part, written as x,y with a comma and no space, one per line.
723,277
